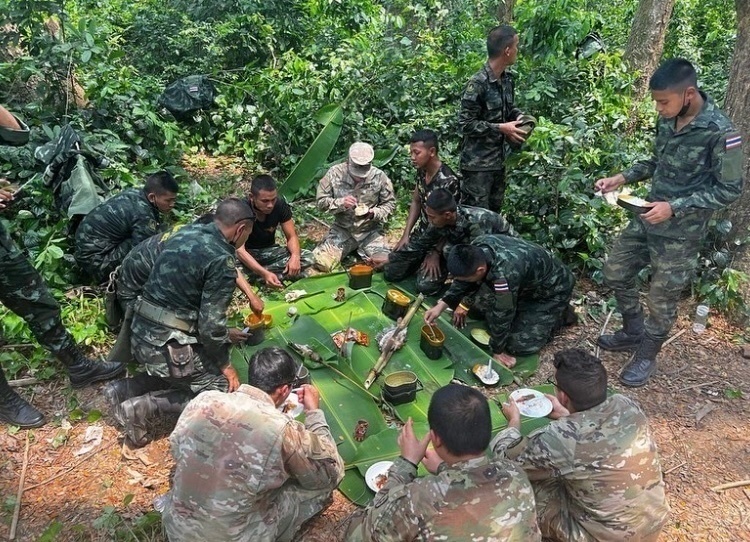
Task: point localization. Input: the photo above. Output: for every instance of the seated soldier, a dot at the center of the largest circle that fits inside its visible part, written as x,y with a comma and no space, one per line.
243,469
432,173
261,254
528,298
114,227
469,495
595,469
449,224
361,198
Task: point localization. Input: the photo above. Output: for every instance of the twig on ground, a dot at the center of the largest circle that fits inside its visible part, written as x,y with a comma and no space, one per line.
13,346
604,327
731,485
66,471
699,385
673,337
671,470
19,495
23,382
319,221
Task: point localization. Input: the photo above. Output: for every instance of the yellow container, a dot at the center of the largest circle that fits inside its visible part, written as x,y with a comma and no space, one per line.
395,304
360,276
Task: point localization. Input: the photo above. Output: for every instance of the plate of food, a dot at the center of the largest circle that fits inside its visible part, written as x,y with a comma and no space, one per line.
486,374
633,203
481,336
531,403
361,210
377,475
292,407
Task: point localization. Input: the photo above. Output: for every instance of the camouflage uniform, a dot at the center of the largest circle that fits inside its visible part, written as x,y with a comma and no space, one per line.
487,100
193,279
246,472
481,500
697,170
471,222
350,233
110,231
595,473
530,289
444,178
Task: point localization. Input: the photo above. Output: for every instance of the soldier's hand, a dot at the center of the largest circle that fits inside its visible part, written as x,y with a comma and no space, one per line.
412,449
506,359
660,211
558,411
257,305
511,413
272,280
401,242
293,266
431,265
349,202
459,316
431,460
237,336
512,132
608,184
432,314
6,195
309,396
232,377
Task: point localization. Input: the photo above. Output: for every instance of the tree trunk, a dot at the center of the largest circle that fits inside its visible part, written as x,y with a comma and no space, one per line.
646,40
504,11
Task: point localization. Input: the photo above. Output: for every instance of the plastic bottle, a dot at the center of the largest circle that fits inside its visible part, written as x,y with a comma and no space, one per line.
701,316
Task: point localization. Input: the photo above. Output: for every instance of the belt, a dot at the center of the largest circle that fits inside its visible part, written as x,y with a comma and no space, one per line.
162,316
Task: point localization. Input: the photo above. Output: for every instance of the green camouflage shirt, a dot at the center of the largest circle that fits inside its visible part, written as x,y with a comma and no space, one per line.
697,170
444,178
596,473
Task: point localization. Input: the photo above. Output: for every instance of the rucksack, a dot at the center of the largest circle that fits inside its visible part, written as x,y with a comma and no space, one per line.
187,96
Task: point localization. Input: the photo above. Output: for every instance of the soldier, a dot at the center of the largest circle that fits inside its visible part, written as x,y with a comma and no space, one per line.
530,292
432,173
113,228
696,168
179,329
243,469
361,198
470,496
449,224
23,291
488,120
261,254
595,469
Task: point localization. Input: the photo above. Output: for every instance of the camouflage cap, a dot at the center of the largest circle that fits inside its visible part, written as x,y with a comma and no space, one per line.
527,124
360,158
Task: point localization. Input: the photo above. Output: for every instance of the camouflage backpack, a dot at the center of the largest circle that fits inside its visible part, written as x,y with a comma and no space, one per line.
185,96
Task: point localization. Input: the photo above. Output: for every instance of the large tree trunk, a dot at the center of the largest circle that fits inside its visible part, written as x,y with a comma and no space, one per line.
505,11
646,40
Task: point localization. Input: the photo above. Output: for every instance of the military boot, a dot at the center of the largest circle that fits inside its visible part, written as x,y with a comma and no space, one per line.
118,391
84,371
138,411
637,372
627,338
15,410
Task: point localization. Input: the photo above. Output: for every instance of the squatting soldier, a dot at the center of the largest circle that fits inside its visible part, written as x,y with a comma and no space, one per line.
488,120
113,228
696,168
450,224
268,473
595,469
261,254
23,291
530,292
179,329
469,496
361,198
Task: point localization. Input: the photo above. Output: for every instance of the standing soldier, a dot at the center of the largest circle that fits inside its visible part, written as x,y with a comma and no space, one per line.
23,291
696,168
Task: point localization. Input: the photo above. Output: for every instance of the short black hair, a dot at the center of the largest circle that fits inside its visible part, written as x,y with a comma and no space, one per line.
499,38
428,137
441,200
460,416
233,210
160,183
270,368
582,377
674,74
464,260
262,182
206,218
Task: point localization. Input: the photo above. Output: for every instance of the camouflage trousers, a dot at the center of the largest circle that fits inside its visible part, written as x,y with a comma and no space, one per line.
23,291
97,265
672,264
274,258
484,189
339,243
408,261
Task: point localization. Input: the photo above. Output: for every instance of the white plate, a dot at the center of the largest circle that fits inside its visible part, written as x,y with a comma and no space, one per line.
292,407
538,407
377,469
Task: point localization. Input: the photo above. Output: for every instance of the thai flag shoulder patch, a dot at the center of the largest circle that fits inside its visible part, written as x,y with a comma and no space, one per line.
501,286
733,141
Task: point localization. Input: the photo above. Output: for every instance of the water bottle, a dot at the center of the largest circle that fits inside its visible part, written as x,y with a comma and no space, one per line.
701,316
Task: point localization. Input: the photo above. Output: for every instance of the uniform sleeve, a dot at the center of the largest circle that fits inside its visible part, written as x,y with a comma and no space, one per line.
457,291
470,120
386,200
324,197
145,225
217,293
500,320
309,453
542,455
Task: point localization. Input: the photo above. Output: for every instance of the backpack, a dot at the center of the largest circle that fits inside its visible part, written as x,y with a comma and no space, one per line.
188,95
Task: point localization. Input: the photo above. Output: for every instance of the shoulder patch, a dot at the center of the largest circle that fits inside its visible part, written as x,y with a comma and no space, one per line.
152,225
230,262
733,141
501,286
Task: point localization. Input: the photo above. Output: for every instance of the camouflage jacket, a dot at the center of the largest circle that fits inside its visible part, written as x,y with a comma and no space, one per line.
602,469
487,100
444,178
481,500
518,271
376,191
697,170
234,453
194,278
11,137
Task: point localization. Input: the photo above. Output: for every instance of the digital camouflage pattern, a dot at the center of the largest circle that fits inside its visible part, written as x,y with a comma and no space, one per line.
697,170
246,472
529,291
444,178
188,95
596,474
479,500
110,231
275,258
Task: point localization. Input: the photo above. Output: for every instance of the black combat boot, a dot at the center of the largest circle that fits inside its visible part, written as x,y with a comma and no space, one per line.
118,391
138,411
15,410
84,371
628,338
637,372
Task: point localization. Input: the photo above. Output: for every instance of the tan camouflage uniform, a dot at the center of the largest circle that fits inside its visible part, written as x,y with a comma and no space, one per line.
350,233
478,500
595,473
246,472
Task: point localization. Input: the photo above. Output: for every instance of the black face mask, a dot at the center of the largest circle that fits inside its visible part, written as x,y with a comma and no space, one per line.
685,106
